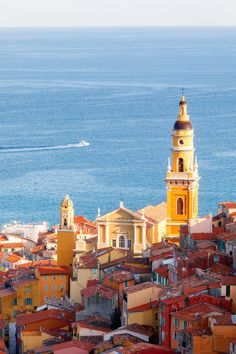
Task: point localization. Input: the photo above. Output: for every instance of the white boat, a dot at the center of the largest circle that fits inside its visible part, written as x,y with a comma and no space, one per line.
83,143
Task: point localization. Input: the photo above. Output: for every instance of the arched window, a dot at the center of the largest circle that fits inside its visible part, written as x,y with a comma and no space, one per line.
181,164
65,222
121,242
180,206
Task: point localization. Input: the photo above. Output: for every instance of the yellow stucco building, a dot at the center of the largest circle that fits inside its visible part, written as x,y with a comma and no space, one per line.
182,180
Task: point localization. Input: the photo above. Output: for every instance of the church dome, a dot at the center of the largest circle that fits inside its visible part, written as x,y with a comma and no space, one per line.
183,125
183,122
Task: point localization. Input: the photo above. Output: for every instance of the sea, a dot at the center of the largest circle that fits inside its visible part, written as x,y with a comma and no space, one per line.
119,90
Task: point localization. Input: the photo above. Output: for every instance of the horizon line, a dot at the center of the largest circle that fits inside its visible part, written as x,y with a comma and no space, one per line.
121,26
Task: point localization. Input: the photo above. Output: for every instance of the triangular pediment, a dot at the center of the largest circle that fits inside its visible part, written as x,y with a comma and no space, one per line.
122,214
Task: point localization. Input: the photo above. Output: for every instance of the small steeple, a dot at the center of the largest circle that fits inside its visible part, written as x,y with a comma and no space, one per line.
99,213
183,114
121,203
183,122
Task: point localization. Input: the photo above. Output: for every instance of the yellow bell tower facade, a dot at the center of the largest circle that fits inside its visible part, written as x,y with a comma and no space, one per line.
182,180
66,234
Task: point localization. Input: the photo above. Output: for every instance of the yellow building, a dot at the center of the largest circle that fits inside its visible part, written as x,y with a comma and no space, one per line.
21,296
129,230
66,235
140,304
182,178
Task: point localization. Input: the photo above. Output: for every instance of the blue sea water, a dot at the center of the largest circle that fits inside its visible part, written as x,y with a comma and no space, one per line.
119,89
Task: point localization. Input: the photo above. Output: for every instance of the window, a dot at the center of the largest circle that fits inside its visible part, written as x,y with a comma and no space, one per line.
94,271
176,335
45,277
45,287
228,290
176,322
156,316
14,302
62,276
28,301
126,284
162,335
181,164
114,243
122,242
65,222
62,288
28,289
184,324
216,259
180,206
129,244
54,276
54,287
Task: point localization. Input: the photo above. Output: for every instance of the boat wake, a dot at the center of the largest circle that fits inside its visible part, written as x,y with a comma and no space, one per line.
82,143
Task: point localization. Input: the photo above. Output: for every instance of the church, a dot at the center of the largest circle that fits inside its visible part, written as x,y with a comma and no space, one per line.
137,230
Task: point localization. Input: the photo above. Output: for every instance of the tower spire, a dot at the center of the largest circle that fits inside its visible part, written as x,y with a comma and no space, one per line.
183,114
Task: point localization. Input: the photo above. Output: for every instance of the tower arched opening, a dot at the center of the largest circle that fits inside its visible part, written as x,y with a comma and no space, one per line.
180,206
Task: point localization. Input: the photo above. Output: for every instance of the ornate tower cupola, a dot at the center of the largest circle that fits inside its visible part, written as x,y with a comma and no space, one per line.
67,214
182,178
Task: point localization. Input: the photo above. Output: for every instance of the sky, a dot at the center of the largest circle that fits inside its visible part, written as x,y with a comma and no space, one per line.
24,13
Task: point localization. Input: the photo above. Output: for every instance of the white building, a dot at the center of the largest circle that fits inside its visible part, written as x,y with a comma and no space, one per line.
30,231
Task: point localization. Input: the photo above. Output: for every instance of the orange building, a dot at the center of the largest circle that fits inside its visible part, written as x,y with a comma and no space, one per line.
35,328
53,282
192,319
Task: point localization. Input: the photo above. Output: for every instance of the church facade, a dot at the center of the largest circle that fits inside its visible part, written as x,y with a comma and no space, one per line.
134,231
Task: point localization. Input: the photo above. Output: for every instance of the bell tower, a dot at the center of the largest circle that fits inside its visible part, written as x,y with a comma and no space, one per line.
66,234
182,178
66,214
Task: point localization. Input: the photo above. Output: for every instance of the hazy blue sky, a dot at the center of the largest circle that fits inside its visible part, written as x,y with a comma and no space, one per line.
117,12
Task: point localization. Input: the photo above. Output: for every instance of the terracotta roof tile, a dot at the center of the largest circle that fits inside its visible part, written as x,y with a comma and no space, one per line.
144,307
139,287
52,270
229,205
197,236
194,312
104,292
163,270
229,280
227,319
11,245
119,276
146,348
62,315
